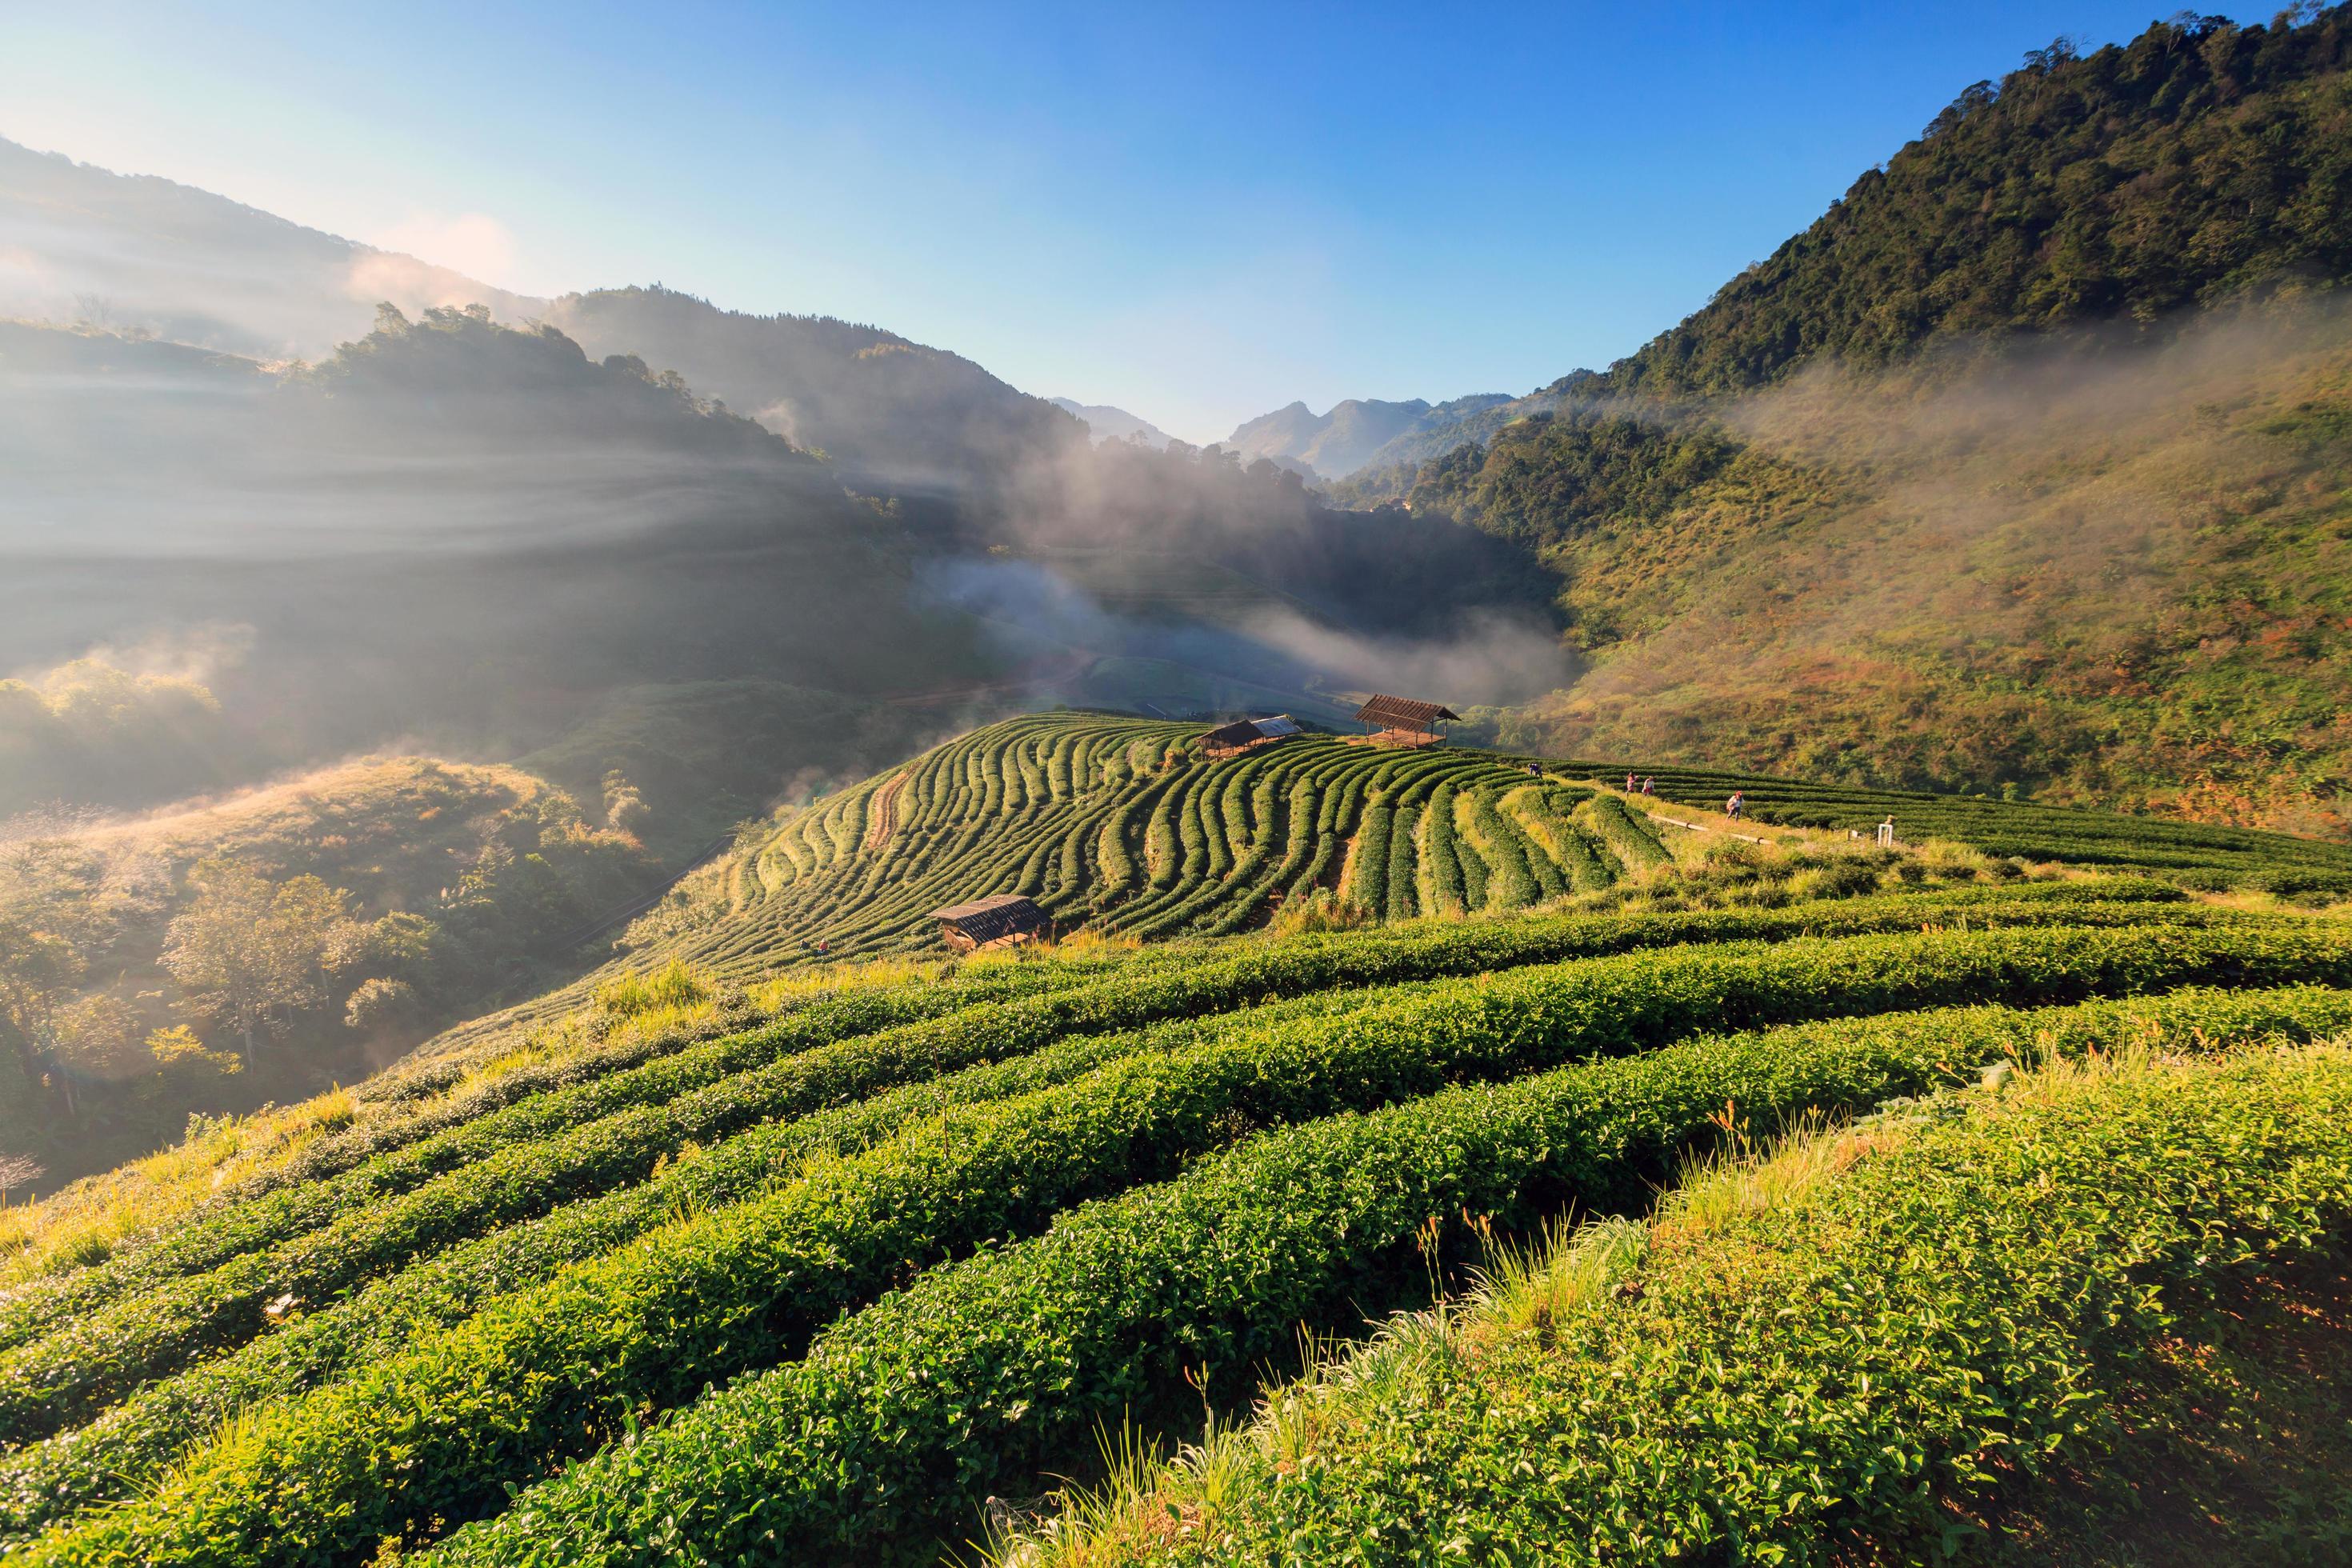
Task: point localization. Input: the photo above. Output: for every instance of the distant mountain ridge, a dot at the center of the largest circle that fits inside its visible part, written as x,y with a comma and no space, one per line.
144,255
139,252
1361,433
886,409
1105,423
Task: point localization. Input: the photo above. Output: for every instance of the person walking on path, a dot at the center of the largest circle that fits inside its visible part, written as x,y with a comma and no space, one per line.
1650,786
1731,808
1628,784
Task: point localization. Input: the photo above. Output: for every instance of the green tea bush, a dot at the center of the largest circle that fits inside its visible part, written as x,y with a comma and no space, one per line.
1852,1373
86,1361
529,1378
979,1377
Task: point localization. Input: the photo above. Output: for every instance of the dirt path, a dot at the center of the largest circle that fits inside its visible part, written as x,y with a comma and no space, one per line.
885,812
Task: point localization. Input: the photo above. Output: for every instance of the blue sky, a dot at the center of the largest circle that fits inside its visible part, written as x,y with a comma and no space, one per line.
1197,214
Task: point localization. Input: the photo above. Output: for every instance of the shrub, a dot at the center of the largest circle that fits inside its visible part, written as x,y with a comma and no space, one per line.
980,1376
531,1378
1849,1360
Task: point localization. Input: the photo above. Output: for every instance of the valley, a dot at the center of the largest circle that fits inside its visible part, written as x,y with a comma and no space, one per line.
640,925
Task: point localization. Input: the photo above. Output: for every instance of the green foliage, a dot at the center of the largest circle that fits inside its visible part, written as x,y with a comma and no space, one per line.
1551,474
1076,811
1875,1358
381,1193
904,1416
519,1249
2192,164
2019,468
90,731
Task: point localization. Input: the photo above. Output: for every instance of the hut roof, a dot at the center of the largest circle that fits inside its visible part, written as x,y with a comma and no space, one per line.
999,914
1404,712
1240,733
1243,731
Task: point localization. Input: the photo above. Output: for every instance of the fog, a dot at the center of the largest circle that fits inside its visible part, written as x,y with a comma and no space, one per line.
1989,565
1492,655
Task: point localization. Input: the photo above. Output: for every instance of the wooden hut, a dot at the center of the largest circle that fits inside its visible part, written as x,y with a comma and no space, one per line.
1001,920
1248,734
1404,721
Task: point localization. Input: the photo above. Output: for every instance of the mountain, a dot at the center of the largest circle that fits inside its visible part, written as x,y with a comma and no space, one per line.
888,411
2019,469
1387,472
1108,423
448,528
135,253
1337,444
144,257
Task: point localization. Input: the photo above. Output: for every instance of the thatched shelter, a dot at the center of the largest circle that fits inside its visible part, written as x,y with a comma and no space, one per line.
1001,920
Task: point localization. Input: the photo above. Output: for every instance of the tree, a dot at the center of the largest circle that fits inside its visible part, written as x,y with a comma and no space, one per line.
51,920
178,1047
625,808
250,954
38,972
97,1035
19,1170
380,1005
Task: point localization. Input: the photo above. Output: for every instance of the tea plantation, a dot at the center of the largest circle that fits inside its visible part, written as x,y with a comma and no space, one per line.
1123,826
760,1255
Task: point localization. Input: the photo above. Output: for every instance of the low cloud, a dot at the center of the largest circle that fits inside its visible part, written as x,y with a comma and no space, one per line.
1489,658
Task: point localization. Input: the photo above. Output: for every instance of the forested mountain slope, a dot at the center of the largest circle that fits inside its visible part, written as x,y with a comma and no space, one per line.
894,412
2023,468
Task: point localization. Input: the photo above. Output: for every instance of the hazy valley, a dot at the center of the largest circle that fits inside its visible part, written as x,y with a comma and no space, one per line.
633,930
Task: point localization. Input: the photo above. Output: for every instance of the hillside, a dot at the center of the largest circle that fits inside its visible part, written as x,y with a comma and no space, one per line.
354,546
135,253
302,933
1122,831
1793,1296
892,412
737,1220
2016,472
1842,1056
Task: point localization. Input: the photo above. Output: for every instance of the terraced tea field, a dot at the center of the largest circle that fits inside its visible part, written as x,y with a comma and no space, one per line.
814,1290
814,1276
1120,826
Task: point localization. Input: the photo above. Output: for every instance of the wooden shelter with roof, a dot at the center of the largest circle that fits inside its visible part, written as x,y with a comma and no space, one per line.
1404,721
1248,734
999,920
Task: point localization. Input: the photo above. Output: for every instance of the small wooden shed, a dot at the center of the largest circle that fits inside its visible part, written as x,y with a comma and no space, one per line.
1248,734
1001,920
1404,721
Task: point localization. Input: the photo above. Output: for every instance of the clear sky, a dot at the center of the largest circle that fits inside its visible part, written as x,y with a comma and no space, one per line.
1198,213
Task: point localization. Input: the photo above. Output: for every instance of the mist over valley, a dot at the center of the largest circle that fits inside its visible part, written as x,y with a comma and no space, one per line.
642,923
